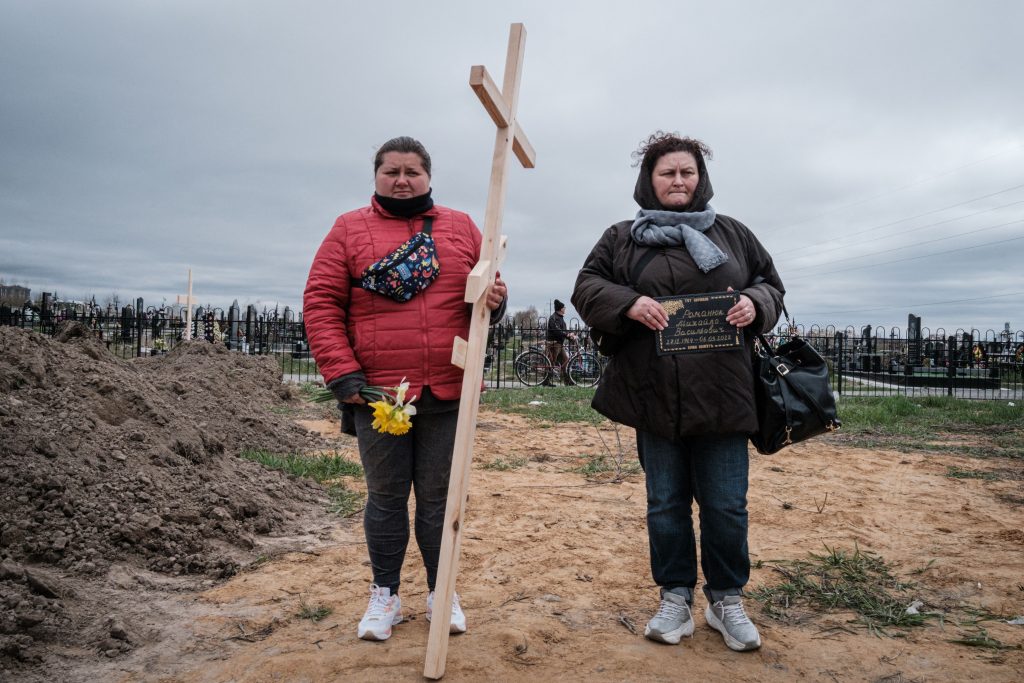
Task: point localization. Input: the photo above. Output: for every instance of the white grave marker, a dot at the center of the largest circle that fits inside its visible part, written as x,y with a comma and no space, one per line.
187,300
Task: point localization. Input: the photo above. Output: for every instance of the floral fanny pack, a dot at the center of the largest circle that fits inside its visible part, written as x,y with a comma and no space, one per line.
406,271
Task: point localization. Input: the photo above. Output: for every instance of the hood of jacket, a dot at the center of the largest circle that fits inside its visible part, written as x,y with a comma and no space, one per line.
644,194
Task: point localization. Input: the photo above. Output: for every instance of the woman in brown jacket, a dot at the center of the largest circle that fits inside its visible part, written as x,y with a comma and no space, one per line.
693,412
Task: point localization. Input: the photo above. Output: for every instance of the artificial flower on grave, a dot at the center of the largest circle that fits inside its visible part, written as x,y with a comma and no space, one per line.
392,413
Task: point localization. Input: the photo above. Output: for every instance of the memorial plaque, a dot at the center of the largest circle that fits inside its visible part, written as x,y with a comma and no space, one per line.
697,322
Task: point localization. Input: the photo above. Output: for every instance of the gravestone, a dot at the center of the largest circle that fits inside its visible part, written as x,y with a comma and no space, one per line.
158,322
127,322
913,340
234,341
210,327
250,322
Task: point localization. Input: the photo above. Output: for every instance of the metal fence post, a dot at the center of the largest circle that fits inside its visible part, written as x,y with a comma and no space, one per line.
138,327
840,355
951,360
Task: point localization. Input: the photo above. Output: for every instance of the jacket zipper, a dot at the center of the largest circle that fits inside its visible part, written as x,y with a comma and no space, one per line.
425,336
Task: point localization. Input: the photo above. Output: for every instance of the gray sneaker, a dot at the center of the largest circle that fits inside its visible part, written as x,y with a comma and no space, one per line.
673,620
728,618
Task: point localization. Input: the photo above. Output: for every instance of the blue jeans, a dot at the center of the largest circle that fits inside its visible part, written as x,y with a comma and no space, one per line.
711,469
420,459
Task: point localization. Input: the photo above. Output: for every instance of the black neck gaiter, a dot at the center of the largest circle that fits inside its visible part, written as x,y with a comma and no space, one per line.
406,208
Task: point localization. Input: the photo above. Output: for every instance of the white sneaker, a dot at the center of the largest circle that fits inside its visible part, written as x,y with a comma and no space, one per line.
383,612
728,618
672,621
458,624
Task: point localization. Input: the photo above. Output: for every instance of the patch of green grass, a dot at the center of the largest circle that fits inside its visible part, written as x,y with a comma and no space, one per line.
600,463
319,468
594,464
282,410
309,390
899,422
297,366
981,638
344,501
257,563
954,472
312,612
502,465
558,404
860,582
324,469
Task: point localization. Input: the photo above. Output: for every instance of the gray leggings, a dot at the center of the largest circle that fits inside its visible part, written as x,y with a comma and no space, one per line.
421,459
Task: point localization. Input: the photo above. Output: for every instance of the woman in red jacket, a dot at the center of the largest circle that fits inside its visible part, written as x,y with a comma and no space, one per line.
360,337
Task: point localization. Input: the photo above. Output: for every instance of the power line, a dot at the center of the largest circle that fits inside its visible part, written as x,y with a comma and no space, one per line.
906,306
903,187
929,225
909,246
904,260
904,220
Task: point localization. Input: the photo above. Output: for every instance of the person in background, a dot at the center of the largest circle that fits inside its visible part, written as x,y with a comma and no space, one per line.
556,337
360,337
693,412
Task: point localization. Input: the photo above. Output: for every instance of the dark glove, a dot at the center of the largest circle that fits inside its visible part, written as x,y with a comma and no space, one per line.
342,388
349,384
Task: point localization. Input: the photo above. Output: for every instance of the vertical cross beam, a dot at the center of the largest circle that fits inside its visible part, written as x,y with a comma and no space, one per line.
509,140
187,300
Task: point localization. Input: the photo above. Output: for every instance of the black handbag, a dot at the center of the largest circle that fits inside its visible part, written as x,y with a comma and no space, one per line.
792,393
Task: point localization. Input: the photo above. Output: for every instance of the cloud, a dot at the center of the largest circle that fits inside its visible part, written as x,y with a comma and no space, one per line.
142,139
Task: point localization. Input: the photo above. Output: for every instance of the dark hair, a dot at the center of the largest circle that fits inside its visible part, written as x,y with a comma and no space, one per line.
661,143
403,144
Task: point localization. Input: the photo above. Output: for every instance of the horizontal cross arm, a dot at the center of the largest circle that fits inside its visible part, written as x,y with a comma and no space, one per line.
492,99
522,148
494,102
478,281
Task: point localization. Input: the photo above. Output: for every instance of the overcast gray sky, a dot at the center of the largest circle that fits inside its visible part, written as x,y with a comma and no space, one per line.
875,148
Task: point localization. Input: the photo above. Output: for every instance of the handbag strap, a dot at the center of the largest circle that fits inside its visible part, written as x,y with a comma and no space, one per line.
641,264
758,280
428,224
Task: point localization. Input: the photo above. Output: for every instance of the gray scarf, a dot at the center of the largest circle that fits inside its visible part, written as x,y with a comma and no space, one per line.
654,228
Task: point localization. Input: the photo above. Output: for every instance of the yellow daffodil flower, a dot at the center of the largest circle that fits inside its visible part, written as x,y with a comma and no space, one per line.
392,414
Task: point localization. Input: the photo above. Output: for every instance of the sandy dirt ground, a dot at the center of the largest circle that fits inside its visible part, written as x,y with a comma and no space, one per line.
554,578
136,545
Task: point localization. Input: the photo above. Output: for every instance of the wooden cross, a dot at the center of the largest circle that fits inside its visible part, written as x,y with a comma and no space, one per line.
187,300
469,355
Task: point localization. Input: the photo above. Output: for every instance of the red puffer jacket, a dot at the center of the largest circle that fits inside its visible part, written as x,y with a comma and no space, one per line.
351,329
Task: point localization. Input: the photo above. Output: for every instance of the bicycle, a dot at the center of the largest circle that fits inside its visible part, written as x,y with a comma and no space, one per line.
533,367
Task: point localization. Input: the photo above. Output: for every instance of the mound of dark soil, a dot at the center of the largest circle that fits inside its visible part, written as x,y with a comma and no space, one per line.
107,461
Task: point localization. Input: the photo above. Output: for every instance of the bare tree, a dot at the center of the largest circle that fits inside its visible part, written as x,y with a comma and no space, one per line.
527,318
